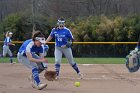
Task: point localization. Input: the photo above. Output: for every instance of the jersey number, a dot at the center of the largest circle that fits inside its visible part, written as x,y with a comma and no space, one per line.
59,39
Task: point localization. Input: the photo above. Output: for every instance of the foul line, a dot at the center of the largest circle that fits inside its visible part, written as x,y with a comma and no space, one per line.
106,78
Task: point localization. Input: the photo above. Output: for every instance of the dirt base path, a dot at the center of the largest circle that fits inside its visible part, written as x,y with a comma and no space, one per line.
97,79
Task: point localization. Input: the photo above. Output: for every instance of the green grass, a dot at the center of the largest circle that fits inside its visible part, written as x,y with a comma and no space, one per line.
81,60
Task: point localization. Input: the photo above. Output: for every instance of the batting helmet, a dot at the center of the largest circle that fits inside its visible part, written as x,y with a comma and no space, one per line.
132,62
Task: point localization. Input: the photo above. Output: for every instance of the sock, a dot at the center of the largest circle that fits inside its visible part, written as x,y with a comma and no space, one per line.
11,59
57,68
36,75
75,67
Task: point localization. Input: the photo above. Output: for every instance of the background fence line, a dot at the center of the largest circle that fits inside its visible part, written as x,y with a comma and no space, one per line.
85,42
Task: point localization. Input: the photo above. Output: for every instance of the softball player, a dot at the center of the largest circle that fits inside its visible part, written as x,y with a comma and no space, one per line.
63,38
46,48
7,43
28,55
132,59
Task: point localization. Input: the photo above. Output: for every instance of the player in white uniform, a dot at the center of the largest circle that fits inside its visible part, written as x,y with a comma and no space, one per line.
7,43
63,38
31,54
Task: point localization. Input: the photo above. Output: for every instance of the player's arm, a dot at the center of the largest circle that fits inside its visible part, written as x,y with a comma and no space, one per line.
10,43
49,39
70,41
29,56
51,35
42,57
41,54
45,49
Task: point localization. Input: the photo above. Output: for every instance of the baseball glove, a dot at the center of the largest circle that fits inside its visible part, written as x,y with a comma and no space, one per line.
50,75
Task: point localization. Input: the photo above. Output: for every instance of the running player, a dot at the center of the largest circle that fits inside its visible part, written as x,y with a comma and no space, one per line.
63,38
31,54
7,43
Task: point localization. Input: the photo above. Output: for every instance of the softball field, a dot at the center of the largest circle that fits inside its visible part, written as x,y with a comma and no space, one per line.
98,78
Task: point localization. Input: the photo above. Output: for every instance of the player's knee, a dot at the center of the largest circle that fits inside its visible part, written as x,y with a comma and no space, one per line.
11,55
72,63
57,61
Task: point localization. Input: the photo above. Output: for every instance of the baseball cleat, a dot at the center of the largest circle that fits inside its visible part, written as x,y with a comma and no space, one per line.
80,75
34,85
40,86
57,77
13,63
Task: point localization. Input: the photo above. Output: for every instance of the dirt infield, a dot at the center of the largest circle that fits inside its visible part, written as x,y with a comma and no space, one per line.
97,79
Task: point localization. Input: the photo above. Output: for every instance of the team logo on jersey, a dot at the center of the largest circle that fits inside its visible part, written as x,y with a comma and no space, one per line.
55,32
62,35
56,35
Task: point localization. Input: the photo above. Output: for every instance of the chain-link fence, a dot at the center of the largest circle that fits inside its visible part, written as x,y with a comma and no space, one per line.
88,50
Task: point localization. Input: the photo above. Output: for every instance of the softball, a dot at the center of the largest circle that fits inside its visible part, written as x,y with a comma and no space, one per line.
77,84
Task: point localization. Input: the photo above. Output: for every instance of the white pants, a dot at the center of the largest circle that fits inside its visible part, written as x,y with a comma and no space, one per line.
6,50
67,52
25,61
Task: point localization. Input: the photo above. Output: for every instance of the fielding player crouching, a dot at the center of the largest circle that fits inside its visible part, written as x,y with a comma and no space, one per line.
31,54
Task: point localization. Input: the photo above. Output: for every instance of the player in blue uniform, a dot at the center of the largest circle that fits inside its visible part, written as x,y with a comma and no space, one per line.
46,48
137,48
31,54
138,45
63,38
7,43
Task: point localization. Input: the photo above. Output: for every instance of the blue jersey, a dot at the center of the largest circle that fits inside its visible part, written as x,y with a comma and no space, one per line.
138,46
46,47
28,46
7,40
61,36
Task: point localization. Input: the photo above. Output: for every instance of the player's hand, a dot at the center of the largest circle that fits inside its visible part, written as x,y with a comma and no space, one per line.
136,49
13,44
63,46
44,60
